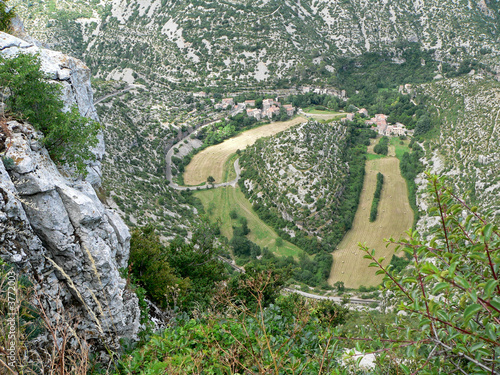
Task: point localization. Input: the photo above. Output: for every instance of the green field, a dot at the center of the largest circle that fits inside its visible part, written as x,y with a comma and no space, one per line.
219,202
400,148
374,156
312,110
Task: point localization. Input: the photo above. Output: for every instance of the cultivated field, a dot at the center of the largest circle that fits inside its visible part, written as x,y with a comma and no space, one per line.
219,202
395,216
323,115
210,162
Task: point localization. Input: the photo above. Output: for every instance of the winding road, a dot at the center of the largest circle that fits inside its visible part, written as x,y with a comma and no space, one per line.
175,186
232,183
352,300
126,88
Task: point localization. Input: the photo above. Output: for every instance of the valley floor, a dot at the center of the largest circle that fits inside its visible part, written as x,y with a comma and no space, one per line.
395,216
210,162
220,202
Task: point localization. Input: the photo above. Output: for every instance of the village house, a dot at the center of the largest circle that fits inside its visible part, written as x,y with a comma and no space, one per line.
238,108
363,112
398,129
227,102
250,103
272,111
349,117
255,112
266,104
290,110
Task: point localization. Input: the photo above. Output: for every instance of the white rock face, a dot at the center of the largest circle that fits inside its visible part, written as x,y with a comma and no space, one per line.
74,76
55,229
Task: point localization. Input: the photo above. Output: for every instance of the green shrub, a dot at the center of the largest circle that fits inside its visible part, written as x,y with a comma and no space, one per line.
68,136
8,163
151,269
382,147
6,16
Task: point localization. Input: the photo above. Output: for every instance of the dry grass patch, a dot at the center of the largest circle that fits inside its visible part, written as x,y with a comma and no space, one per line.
210,162
395,216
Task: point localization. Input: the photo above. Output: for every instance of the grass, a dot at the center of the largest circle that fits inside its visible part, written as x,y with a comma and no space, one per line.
374,156
395,216
228,172
314,111
210,161
400,149
218,204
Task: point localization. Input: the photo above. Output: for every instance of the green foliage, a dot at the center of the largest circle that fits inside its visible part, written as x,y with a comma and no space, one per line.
282,338
382,147
399,263
8,163
233,214
340,211
279,242
451,295
68,136
6,16
319,101
363,76
351,108
410,167
376,197
423,125
151,269
225,129
340,286
181,274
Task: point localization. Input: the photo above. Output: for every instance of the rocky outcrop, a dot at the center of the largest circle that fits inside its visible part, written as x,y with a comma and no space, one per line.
54,228
73,76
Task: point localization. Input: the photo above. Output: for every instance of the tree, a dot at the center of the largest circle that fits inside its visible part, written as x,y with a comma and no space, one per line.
233,214
150,267
423,125
279,242
351,108
340,286
210,179
450,298
6,16
68,136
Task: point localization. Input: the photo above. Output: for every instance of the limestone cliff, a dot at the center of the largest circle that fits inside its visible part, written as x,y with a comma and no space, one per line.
53,227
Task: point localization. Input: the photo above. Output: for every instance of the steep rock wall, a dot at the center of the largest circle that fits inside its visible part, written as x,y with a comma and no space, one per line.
54,228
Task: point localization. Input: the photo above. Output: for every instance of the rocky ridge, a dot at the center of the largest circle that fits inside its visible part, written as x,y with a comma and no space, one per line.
54,228
466,146
300,174
207,43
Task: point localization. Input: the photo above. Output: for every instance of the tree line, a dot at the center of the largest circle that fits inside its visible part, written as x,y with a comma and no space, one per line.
376,197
